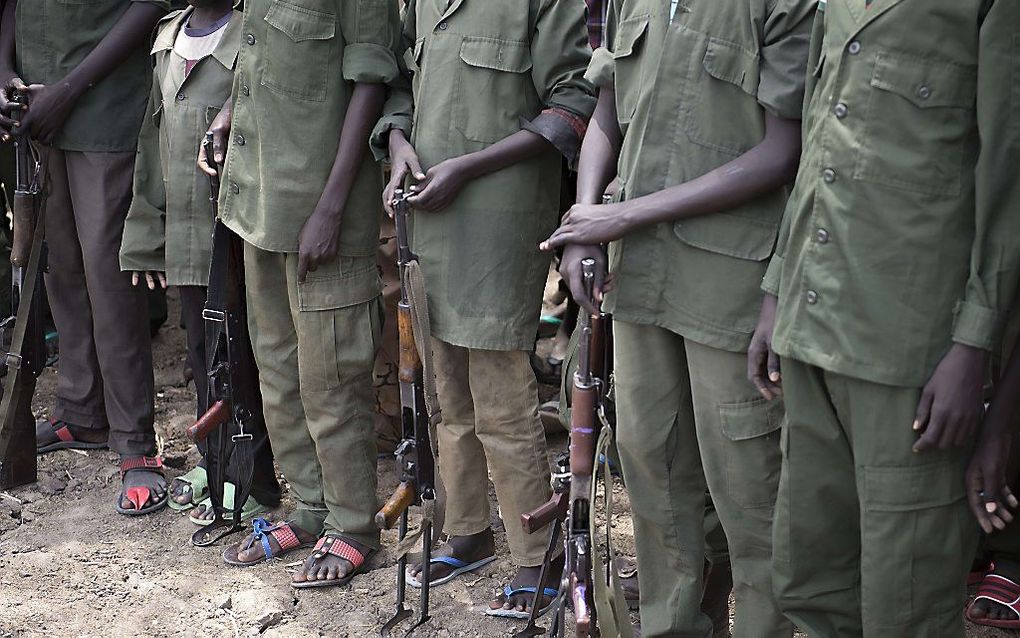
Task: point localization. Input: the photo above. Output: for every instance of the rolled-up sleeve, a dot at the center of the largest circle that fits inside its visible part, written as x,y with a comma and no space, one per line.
370,29
786,41
398,109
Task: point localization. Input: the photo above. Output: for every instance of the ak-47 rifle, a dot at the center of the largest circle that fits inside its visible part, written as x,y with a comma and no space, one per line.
418,412
233,398
24,332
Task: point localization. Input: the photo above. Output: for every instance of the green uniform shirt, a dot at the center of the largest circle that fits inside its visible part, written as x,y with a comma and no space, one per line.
295,73
692,92
53,37
481,71
169,225
903,231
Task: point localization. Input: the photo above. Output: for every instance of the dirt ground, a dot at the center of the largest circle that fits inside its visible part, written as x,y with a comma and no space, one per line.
69,564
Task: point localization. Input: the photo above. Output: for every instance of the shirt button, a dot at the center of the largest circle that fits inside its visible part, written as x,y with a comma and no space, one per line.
829,175
811,297
251,39
239,139
822,235
924,92
854,48
245,91
443,26
181,97
841,110
234,188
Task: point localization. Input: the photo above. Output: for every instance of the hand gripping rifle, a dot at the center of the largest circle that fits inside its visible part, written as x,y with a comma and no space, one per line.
233,399
24,330
419,413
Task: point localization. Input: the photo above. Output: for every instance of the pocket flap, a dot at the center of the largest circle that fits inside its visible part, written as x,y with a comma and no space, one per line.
926,83
628,33
344,282
299,23
912,487
730,63
731,235
495,53
750,419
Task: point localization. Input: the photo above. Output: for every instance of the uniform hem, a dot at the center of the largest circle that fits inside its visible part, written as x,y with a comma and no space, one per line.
730,342
485,344
854,369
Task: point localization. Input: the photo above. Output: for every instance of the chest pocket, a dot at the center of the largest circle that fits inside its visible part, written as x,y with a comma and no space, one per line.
918,122
627,79
722,106
300,45
493,91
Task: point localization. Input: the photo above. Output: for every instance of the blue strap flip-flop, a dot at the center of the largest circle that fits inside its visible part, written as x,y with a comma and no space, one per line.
460,567
522,615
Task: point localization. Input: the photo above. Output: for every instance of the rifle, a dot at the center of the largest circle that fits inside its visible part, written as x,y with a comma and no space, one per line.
24,330
233,396
418,413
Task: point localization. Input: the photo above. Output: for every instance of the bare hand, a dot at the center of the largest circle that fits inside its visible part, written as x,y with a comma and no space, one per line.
590,224
951,403
318,241
988,495
403,162
220,128
48,108
8,106
570,270
762,360
152,277
440,186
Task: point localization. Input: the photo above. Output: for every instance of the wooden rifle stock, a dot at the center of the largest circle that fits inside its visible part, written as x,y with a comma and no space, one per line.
23,224
401,499
555,509
409,363
213,418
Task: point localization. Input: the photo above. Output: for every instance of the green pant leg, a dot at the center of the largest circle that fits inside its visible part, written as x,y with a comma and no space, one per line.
917,535
716,550
738,434
662,467
274,339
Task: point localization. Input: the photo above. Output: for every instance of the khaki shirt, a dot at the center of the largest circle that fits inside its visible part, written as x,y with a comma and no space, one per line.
53,37
902,235
169,225
692,93
296,70
482,70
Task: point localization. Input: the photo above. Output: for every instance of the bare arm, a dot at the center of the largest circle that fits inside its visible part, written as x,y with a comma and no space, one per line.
600,150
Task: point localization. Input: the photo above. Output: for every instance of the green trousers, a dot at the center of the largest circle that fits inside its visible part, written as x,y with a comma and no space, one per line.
315,347
686,414
871,539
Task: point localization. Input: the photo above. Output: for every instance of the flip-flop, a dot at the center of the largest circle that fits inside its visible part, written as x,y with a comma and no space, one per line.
262,530
250,509
65,439
523,615
460,567
198,480
336,546
139,495
1002,591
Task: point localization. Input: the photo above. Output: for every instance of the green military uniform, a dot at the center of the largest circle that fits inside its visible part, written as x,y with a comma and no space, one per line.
694,81
482,71
901,238
314,341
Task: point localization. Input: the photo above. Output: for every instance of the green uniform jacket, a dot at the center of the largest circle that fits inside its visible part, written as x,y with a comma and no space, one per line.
903,231
296,70
166,177
692,93
482,70
53,37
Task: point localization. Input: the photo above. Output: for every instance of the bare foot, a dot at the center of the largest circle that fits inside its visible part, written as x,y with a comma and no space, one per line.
528,577
328,567
469,549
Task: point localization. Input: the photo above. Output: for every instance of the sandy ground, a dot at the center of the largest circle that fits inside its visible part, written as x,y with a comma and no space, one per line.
69,564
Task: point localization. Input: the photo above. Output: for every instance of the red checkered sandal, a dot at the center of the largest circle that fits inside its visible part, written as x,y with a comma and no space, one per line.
333,546
139,496
262,531
1001,591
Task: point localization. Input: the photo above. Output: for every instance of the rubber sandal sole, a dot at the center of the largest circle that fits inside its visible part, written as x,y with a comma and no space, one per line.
229,560
339,582
71,445
145,510
518,615
466,569
197,496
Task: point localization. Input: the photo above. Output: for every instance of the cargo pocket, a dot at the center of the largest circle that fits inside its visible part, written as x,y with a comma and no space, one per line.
627,72
299,51
914,527
919,119
724,115
493,87
750,238
754,456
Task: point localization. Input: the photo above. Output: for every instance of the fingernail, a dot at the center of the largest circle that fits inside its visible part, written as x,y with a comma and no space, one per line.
990,507
774,376
917,424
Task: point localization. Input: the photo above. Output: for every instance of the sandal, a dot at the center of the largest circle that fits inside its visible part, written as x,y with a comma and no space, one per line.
335,546
262,530
460,567
508,593
1000,590
139,495
198,481
250,509
47,429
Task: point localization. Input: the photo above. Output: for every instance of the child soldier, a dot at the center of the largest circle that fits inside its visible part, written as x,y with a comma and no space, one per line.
88,69
498,90
896,267
699,114
169,226
301,190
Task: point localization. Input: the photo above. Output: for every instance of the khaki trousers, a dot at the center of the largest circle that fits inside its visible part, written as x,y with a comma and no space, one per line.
871,539
105,377
686,414
490,424
315,371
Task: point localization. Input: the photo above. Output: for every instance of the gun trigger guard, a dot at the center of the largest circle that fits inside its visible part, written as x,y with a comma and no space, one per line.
241,437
